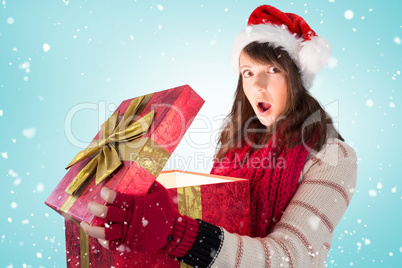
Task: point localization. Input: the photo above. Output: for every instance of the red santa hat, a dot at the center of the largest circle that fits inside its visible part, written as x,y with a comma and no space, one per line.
291,33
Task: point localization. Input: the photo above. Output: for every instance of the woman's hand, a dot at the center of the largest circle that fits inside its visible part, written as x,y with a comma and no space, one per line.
144,223
100,211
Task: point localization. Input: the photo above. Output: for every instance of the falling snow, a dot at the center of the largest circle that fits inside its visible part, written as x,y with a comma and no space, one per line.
144,222
369,103
10,20
25,66
349,14
40,187
12,173
314,222
17,181
380,105
332,63
29,133
46,47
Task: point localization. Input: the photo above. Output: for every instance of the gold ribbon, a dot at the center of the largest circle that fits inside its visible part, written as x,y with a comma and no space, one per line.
112,135
84,248
189,203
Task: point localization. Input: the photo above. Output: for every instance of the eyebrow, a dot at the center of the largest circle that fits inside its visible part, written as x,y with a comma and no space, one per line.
243,66
269,64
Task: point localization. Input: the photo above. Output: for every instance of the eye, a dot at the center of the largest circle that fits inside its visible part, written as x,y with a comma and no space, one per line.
274,70
247,73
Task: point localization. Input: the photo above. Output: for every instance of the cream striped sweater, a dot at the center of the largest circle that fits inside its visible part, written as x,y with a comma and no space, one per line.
303,236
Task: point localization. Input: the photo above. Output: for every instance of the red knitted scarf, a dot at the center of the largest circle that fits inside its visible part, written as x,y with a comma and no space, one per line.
273,173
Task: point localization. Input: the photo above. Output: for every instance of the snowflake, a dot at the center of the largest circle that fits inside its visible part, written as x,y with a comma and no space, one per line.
369,103
46,47
29,133
144,222
349,14
40,187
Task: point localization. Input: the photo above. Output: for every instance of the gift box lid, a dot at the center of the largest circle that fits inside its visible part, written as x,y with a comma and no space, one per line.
129,151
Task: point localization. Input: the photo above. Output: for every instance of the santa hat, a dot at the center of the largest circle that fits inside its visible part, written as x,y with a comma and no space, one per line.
291,33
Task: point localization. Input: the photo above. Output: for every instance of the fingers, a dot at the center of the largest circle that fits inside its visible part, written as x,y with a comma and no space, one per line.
116,198
97,232
111,232
98,209
108,195
109,213
94,231
104,243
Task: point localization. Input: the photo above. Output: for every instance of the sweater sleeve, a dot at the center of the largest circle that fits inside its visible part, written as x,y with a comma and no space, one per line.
303,235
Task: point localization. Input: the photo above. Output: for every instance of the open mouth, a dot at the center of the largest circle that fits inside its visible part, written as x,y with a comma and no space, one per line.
263,106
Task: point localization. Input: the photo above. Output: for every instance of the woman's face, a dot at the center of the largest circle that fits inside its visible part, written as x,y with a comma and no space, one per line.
265,87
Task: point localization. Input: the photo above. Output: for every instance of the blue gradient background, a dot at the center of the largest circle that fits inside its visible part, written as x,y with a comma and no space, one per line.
103,52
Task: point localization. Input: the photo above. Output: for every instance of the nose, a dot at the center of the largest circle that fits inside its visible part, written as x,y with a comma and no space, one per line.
260,81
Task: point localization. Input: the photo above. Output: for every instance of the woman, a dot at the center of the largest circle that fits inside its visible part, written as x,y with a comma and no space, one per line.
302,174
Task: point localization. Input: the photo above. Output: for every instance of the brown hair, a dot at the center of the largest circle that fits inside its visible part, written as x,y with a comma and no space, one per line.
303,121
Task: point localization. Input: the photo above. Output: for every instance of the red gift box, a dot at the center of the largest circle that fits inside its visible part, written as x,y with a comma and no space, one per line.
166,116
222,201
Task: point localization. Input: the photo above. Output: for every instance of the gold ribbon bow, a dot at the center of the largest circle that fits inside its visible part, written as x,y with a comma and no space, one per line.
107,160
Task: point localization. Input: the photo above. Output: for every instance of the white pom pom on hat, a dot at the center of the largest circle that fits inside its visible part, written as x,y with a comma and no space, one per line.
289,32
